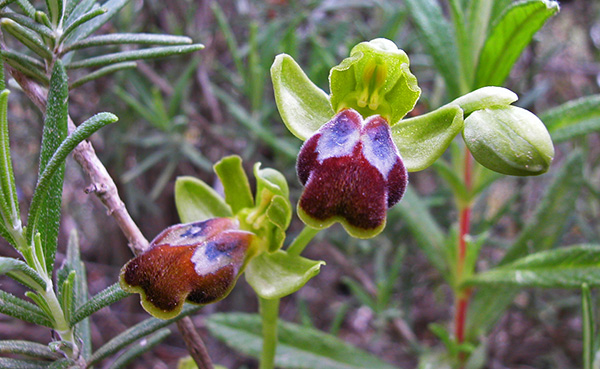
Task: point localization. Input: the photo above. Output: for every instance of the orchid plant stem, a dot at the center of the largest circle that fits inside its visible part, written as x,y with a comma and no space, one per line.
463,295
269,312
269,309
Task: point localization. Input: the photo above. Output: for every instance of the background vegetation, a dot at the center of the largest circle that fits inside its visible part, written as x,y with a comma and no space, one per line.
179,115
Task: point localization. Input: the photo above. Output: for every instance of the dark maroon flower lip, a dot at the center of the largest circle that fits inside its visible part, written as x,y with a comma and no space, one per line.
352,173
196,262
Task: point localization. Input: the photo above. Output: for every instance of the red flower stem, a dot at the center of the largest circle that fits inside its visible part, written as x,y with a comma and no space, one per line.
462,297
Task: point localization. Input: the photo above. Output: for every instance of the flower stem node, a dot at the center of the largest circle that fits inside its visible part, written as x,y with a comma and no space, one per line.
195,262
352,173
509,140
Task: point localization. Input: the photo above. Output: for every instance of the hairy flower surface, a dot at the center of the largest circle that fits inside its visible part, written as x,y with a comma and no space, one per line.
352,173
195,262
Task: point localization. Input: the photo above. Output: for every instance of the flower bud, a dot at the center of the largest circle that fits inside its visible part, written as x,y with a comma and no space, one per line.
195,262
509,140
375,80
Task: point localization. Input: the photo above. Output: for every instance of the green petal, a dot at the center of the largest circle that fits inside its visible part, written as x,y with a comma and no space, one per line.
279,274
196,201
423,139
235,183
303,106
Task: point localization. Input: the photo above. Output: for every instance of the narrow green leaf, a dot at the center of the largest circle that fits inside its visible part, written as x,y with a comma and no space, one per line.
78,22
62,364
509,37
101,73
25,64
452,178
136,332
10,212
439,39
574,118
7,363
478,17
423,139
27,8
298,347
234,50
235,183
196,201
86,29
76,8
47,220
27,22
568,267
66,295
428,234
28,348
276,275
55,11
303,106
360,293
28,38
128,39
81,133
21,309
140,348
588,326
132,55
22,273
5,3
104,298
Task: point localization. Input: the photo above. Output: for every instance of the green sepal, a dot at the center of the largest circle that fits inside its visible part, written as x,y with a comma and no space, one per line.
196,201
375,79
423,139
485,97
303,106
509,140
275,275
235,183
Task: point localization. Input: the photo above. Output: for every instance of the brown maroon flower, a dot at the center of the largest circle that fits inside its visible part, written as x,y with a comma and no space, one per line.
196,262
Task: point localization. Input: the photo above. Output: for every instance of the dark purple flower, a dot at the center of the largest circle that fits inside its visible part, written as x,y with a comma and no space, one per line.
352,173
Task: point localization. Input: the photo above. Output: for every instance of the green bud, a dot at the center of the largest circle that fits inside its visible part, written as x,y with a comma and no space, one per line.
509,140
375,79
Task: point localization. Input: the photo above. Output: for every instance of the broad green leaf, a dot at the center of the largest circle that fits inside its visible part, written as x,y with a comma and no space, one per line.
509,37
298,347
45,219
21,309
275,275
439,40
28,348
55,164
424,228
588,326
106,297
235,183
542,232
423,139
22,273
140,348
10,203
136,332
196,201
568,267
303,106
574,118
132,55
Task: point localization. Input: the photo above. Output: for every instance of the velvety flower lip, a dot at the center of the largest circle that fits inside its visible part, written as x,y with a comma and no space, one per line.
352,173
195,262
